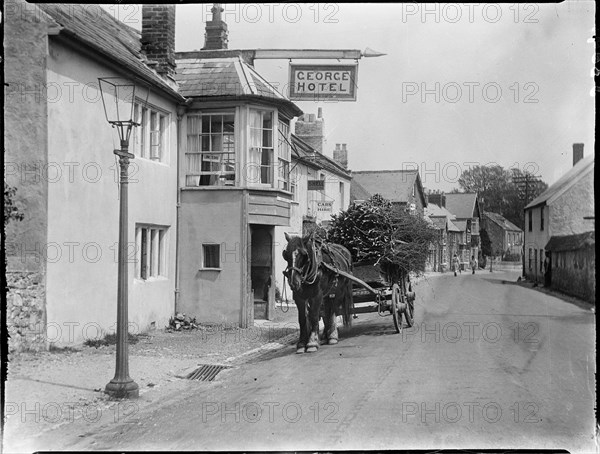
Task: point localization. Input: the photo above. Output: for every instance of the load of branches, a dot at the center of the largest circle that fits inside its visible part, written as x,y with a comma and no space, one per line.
378,233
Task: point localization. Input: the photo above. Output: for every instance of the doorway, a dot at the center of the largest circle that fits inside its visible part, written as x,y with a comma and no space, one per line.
261,271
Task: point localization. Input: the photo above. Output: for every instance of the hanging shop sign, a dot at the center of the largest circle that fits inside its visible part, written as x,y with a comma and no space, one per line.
324,206
316,185
323,82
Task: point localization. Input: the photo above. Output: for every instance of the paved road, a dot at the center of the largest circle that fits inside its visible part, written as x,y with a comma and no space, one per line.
487,365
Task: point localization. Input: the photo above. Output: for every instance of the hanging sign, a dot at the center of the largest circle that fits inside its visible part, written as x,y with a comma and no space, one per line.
323,82
316,185
324,206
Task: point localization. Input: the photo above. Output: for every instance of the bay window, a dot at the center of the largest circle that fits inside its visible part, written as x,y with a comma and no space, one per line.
284,154
210,155
260,159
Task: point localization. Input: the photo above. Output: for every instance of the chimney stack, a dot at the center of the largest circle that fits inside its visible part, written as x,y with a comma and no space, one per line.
577,152
341,155
216,30
158,37
310,129
319,112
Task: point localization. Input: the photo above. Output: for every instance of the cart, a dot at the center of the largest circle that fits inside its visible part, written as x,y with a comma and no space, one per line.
376,291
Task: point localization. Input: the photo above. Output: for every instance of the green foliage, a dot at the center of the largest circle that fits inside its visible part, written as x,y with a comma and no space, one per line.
379,233
10,209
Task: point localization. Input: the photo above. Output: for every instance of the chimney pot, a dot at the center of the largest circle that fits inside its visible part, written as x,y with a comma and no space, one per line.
577,152
344,147
337,147
319,112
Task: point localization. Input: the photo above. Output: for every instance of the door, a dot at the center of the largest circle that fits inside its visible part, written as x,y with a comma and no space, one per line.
261,271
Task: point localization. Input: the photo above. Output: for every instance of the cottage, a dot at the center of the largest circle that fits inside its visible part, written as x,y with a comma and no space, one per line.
62,270
574,264
449,235
506,238
465,209
402,187
565,208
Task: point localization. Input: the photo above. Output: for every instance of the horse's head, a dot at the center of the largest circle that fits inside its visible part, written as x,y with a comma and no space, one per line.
297,254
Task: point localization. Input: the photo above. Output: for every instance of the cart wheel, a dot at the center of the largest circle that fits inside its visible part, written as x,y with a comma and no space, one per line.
409,311
397,315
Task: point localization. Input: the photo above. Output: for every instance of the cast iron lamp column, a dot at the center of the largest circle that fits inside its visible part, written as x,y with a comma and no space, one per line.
121,108
122,385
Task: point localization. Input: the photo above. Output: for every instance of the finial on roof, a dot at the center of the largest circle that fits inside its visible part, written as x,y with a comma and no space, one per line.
216,11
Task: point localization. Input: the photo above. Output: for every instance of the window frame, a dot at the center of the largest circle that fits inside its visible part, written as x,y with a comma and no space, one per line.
272,153
205,256
143,135
284,163
228,154
151,252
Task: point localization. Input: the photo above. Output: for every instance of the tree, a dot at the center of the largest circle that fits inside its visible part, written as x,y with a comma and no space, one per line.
501,191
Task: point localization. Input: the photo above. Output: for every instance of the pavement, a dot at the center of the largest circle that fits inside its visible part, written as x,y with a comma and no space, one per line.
47,390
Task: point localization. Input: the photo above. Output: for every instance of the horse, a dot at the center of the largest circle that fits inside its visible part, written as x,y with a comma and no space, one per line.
318,290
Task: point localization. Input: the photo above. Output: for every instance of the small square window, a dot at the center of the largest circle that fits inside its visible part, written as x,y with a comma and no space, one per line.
211,254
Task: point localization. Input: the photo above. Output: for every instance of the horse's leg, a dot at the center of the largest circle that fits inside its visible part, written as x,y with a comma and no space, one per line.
302,321
314,311
331,333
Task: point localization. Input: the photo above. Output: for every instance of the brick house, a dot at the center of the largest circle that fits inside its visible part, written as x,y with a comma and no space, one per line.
506,238
563,209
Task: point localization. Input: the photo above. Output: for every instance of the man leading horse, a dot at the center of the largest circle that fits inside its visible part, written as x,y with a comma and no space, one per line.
318,290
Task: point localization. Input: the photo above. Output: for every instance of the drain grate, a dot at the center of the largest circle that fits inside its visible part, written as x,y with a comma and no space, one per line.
206,372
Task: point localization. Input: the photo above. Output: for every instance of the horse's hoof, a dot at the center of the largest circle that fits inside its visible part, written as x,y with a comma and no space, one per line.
311,349
299,350
332,341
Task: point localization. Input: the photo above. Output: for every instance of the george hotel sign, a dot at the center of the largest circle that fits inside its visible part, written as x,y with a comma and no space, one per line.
317,82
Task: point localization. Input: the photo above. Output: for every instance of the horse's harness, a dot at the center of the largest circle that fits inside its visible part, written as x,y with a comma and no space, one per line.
310,271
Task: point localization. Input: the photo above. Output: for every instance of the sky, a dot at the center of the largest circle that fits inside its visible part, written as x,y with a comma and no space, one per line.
460,84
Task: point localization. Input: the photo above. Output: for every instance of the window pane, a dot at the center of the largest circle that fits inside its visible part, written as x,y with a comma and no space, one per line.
211,254
216,124
267,122
144,255
205,124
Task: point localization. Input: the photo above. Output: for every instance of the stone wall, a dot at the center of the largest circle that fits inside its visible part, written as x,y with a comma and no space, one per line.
26,160
25,317
574,273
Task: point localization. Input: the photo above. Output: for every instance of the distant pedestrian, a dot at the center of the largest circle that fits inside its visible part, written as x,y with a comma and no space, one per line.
473,264
455,264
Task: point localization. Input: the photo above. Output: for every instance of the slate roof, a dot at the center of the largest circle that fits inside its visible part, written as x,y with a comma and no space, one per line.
92,26
357,192
461,204
571,242
439,223
308,155
433,210
452,227
394,185
460,225
227,77
501,221
565,182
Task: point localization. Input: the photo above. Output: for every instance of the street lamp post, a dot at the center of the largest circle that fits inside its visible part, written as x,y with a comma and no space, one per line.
119,97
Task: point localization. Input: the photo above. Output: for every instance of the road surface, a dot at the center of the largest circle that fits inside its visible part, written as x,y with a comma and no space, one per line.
488,364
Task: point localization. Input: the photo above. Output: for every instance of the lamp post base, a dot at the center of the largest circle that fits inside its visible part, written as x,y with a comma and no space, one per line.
123,389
